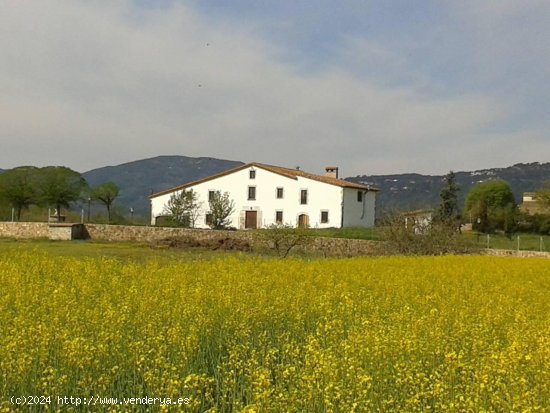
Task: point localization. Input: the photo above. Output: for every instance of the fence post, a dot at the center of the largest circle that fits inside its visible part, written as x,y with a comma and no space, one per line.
518,243
540,244
488,241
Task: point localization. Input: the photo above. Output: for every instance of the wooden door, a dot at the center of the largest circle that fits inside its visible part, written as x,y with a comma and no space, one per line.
251,220
303,220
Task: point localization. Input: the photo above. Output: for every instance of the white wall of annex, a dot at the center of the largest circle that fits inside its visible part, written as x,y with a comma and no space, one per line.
359,214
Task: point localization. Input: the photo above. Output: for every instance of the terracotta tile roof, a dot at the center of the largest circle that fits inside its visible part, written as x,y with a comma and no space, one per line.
287,172
294,173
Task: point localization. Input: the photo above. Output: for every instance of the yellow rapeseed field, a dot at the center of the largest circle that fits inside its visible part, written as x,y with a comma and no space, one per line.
230,334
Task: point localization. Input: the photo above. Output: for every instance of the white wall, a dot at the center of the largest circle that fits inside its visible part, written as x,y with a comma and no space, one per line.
321,196
359,214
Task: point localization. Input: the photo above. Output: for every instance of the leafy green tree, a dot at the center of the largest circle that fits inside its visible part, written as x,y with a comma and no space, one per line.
18,188
60,187
448,211
106,194
543,195
221,207
492,206
183,208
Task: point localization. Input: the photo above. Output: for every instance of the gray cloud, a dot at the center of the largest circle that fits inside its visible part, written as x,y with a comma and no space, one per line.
87,84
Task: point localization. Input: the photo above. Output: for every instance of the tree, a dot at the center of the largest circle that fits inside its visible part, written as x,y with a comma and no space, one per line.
221,207
282,238
106,194
60,187
448,212
18,187
491,206
183,208
435,238
543,195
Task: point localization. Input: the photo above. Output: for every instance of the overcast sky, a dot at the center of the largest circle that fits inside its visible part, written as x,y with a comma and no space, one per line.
375,87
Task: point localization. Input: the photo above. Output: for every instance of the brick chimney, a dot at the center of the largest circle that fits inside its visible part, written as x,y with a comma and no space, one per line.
331,171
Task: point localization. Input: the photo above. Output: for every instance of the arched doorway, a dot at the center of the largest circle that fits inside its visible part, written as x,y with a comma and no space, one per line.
303,220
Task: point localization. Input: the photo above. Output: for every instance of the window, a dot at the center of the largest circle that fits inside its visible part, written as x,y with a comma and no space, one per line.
324,217
280,193
251,193
303,196
359,196
211,195
208,218
252,174
279,217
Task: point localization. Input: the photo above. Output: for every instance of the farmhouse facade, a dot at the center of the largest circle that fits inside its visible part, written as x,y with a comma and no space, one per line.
265,195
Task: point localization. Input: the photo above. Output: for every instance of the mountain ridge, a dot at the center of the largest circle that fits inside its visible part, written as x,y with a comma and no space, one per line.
416,191
138,179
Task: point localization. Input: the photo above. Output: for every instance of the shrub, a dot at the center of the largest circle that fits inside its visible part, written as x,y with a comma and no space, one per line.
435,238
283,238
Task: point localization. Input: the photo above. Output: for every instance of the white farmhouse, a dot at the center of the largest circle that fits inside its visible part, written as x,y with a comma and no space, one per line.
266,194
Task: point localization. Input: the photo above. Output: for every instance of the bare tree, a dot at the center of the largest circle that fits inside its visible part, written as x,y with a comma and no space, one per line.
434,238
283,238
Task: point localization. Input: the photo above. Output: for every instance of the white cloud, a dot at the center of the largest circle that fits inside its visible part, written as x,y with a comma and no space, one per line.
86,84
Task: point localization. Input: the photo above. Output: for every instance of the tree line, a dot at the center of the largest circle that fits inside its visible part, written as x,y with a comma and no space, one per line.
52,187
491,206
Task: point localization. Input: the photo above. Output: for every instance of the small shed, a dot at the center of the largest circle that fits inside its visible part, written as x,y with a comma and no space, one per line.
66,231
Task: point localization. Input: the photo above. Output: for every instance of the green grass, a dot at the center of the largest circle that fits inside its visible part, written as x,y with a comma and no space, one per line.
527,242
124,251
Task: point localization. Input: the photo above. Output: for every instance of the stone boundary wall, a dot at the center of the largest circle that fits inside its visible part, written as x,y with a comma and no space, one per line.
325,246
343,247
103,232
515,253
126,233
24,230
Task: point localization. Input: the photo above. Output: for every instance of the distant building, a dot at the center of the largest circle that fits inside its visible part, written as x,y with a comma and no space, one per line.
266,195
419,220
531,205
